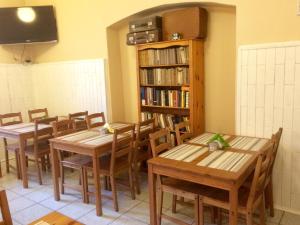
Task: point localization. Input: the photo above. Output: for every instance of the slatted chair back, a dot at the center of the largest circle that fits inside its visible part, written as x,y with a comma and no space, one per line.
79,118
37,114
10,119
276,138
63,127
122,145
160,141
6,216
143,129
95,120
41,134
183,132
263,165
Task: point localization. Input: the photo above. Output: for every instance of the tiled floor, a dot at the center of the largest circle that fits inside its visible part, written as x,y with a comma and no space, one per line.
27,205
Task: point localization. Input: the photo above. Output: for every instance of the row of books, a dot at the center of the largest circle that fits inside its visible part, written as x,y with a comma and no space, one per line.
169,98
162,76
166,56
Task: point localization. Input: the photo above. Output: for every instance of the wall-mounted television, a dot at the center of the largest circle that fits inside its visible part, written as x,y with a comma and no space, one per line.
19,25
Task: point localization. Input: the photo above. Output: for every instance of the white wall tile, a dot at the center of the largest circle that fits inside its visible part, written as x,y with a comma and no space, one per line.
280,56
276,104
244,57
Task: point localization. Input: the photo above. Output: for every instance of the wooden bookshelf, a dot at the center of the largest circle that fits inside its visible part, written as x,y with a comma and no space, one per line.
171,81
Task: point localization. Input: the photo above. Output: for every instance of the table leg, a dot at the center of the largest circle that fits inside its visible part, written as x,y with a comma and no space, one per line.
55,172
23,162
96,167
152,195
233,198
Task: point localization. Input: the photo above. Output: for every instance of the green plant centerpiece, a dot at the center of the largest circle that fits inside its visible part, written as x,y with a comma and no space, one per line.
217,142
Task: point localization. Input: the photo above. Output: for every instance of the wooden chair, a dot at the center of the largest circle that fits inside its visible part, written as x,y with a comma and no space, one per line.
6,216
161,142
269,183
183,132
6,120
79,118
92,120
120,161
37,114
249,199
75,161
142,147
40,150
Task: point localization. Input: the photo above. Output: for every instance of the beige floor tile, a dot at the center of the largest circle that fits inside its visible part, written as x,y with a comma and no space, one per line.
30,214
51,203
124,220
140,212
77,209
19,204
40,194
277,216
290,219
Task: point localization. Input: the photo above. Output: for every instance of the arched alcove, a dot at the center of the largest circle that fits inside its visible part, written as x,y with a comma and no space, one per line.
220,49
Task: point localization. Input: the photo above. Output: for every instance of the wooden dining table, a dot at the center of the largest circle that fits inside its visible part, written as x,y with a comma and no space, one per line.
94,143
192,161
22,132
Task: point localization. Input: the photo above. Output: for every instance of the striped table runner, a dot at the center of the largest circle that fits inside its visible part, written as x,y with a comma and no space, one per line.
248,143
17,126
184,152
118,125
204,138
82,135
225,160
25,127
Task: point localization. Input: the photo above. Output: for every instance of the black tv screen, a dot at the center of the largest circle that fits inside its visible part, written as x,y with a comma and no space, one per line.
27,25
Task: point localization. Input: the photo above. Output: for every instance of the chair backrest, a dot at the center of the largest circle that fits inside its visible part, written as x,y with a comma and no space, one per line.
95,120
5,209
79,118
263,165
37,114
42,134
183,132
160,141
63,127
10,119
276,138
122,145
143,129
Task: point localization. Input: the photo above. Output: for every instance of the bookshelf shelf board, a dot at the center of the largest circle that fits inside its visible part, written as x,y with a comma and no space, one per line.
154,85
165,107
164,66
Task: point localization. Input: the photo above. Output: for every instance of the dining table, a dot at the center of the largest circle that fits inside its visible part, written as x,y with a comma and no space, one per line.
21,133
94,143
194,162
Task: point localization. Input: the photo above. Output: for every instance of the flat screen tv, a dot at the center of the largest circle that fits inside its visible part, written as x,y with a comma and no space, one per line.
27,25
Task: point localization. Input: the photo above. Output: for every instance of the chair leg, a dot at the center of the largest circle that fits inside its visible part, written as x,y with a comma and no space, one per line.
197,211
86,185
270,197
38,167
131,183
262,212
18,169
201,210
174,201
48,162
43,162
160,196
62,179
7,161
26,163
249,219
114,193
83,185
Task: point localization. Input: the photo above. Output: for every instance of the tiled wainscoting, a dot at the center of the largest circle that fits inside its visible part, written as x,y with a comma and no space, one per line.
268,97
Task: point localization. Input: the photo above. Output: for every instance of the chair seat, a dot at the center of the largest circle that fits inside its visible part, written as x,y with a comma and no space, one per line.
76,160
43,149
14,145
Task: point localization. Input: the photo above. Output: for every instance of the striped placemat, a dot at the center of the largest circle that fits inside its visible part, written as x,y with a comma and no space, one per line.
248,143
79,136
225,160
184,152
31,128
204,138
17,126
118,125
